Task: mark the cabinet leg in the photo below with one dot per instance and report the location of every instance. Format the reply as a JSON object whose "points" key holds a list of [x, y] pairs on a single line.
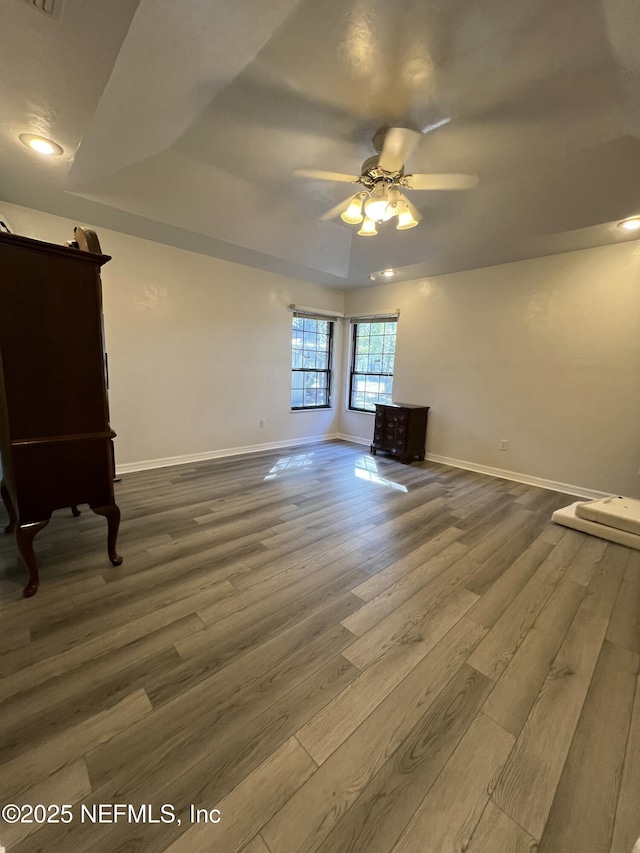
{"points": [[372, 450], [75, 511], [25, 534], [6, 498], [112, 514]]}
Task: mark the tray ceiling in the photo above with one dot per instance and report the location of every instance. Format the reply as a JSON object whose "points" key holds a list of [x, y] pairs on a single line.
{"points": [[183, 123]]}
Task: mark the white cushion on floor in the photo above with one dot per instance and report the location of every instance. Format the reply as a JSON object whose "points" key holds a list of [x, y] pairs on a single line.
{"points": [[567, 517], [618, 512]]}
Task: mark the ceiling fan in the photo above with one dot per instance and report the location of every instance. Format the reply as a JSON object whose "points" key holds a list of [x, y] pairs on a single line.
{"points": [[383, 177]]}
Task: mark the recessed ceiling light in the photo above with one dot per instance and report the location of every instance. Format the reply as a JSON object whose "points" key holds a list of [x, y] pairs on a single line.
{"points": [[388, 273], [41, 144], [632, 224]]}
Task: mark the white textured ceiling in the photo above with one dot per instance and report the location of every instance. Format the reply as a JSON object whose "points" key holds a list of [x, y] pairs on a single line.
{"points": [[184, 121]]}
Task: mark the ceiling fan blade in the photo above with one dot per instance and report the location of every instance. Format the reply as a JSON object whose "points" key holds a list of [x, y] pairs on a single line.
{"points": [[414, 210], [319, 175], [398, 146], [442, 182], [339, 208]]}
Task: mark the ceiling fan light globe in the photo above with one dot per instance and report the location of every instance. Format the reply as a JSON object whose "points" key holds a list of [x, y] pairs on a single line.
{"points": [[368, 228], [394, 195], [353, 214], [378, 210], [376, 205], [393, 209], [351, 220], [406, 220]]}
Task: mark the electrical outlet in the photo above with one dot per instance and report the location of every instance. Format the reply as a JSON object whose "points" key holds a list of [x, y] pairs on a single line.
{"points": [[504, 444], [263, 423]]}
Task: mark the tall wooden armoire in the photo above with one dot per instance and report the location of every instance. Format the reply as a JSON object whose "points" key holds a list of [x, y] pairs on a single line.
{"points": [[55, 438]]}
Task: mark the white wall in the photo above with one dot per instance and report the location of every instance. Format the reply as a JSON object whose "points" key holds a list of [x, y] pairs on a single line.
{"points": [[199, 348], [544, 353]]}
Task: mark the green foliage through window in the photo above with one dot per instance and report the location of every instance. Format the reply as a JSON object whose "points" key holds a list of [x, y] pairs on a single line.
{"points": [[372, 361], [311, 345]]}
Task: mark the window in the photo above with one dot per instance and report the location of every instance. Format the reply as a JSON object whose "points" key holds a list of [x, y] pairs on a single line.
{"points": [[373, 353], [311, 344]]}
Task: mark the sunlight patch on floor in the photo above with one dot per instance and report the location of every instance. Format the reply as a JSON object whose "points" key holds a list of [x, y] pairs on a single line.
{"points": [[290, 463], [367, 469]]}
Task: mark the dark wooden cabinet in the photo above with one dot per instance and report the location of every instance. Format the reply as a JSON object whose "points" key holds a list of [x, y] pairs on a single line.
{"points": [[401, 429], [55, 438]]}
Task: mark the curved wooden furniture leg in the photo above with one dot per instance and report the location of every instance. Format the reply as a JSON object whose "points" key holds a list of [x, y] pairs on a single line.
{"points": [[13, 518], [112, 514], [25, 534], [75, 511]]}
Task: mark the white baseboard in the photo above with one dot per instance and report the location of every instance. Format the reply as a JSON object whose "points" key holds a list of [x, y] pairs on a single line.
{"points": [[515, 476], [552, 485], [149, 464], [354, 439]]}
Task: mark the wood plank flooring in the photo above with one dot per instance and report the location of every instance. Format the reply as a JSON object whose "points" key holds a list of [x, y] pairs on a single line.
{"points": [[337, 652]]}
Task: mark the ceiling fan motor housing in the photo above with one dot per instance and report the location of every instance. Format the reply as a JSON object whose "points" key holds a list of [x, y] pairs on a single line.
{"points": [[371, 173]]}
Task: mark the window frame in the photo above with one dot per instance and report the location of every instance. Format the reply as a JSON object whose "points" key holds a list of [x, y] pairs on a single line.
{"points": [[328, 371], [352, 363]]}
